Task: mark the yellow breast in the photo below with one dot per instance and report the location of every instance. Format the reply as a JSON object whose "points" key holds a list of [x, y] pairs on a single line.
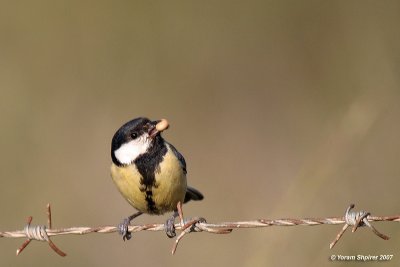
{"points": [[170, 185]]}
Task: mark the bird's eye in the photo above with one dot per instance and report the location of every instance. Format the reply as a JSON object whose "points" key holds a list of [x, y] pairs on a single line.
{"points": [[134, 135]]}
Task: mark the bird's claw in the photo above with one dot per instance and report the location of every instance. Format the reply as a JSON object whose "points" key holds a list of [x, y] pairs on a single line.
{"points": [[123, 229], [170, 227]]}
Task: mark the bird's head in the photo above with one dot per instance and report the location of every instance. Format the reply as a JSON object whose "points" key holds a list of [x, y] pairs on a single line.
{"points": [[135, 138]]}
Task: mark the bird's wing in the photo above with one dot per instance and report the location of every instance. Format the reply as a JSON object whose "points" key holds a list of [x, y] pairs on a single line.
{"points": [[191, 193], [180, 158]]}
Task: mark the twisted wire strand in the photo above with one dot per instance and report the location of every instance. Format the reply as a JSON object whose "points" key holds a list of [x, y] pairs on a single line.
{"points": [[203, 226], [36, 232], [351, 218]]}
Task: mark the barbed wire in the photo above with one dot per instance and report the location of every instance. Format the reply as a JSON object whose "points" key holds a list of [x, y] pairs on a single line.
{"points": [[351, 218]]}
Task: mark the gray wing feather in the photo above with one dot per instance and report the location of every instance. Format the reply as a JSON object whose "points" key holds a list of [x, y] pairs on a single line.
{"points": [[180, 158], [191, 193]]}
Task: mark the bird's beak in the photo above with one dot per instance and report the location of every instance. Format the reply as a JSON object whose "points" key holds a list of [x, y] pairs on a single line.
{"points": [[157, 126]]}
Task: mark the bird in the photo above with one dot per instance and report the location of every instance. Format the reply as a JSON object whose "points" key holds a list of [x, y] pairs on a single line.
{"points": [[149, 172]]}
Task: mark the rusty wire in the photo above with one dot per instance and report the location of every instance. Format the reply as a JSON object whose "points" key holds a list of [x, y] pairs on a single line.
{"points": [[351, 218]]}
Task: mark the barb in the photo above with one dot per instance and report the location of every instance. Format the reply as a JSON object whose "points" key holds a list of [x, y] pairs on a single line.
{"points": [[351, 218], [356, 219], [39, 233]]}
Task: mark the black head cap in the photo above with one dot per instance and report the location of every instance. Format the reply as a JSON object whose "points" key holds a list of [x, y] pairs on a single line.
{"points": [[132, 130]]}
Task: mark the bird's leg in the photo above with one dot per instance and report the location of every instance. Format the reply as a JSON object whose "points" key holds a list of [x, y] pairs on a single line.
{"points": [[170, 223], [180, 213], [123, 226]]}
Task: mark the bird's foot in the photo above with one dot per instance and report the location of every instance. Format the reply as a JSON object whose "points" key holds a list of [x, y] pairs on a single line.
{"points": [[123, 229], [170, 227], [191, 224]]}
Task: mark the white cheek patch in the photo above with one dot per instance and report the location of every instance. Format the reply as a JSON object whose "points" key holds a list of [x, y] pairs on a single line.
{"points": [[128, 152]]}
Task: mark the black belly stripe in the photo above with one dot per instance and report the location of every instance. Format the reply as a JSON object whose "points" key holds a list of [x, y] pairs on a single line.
{"points": [[151, 205], [147, 165]]}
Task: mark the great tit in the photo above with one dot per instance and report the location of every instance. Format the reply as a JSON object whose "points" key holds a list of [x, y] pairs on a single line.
{"points": [[149, 172]]}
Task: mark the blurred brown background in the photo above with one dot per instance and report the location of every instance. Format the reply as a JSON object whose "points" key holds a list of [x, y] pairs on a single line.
{"points": [[281, 109]]}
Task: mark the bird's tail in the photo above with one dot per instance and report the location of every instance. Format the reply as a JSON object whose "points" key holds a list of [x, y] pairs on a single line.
{"points": [[192, 194]]}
